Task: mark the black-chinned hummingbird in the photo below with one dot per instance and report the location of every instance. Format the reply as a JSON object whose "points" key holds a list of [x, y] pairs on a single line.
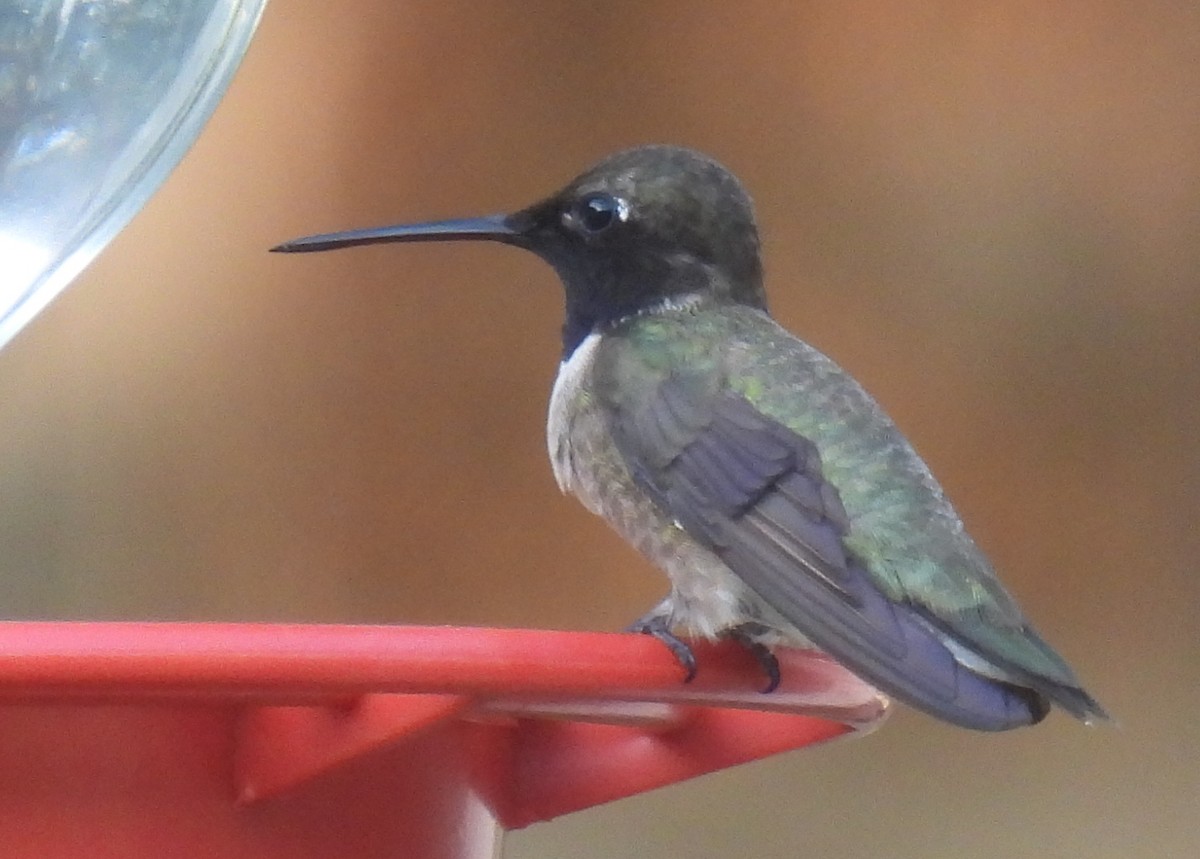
{"points": [[783, 504]]}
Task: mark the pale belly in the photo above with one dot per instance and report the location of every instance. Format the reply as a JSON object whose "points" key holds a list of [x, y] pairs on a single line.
{"points": [[706, 598]]}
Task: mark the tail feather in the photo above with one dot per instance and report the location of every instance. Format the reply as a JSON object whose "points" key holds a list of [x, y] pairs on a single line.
{"points": [[1075, 701]]}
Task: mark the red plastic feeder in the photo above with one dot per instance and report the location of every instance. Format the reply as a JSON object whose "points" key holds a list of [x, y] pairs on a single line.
{"points": [[236, 741]]}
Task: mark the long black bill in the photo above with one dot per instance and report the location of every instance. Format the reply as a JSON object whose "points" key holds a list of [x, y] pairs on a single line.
{"points": [[489, 228]]}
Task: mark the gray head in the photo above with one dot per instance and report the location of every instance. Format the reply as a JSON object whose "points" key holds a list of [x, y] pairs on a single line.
{"points": [[644, 228]]}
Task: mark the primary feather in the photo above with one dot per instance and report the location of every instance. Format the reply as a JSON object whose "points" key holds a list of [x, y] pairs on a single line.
{"points": [[759, 450]]}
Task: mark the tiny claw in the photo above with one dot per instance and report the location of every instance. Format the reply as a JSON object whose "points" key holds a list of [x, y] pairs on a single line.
{"points": [[745, 636], [683, 654]]}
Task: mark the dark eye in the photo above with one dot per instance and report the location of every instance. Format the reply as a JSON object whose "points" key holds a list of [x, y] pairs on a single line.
{"points": [[598, 212]]}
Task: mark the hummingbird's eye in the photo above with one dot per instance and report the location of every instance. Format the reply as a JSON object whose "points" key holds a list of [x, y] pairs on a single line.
{"points": [[597, 212]]}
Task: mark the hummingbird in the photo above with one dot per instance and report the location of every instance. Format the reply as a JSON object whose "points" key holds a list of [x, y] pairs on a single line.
{"points": [[783, 504]]}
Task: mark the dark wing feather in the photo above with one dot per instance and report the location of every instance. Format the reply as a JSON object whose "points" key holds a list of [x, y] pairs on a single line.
{"points": [[752, 490]]}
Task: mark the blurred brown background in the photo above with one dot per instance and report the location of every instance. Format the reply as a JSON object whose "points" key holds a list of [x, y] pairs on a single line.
{"points": [[988, 212]]}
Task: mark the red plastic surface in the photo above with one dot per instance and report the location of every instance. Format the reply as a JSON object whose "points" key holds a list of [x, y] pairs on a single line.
{"points": [[222, 740]]}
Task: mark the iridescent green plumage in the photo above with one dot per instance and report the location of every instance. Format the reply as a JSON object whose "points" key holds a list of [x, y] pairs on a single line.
{"points": [[780, 500], [902, 529]]}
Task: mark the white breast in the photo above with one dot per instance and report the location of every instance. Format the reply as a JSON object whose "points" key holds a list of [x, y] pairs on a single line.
{"points": [[705, 597], [569, 396]]}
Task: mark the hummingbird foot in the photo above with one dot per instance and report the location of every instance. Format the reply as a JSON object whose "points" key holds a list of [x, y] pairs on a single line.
{"points": [[657, 626], [746, 634]]}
